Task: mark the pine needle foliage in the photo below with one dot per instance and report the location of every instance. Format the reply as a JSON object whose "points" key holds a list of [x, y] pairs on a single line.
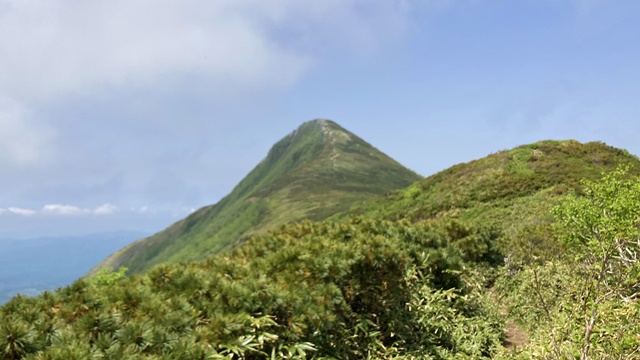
{"points": [[360, 289]]}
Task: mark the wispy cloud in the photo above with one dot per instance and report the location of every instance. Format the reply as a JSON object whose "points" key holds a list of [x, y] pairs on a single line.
{"points": [[63, 210], [124, 43], [91, 46], [105, 209], [22, 212], [58, 209]]}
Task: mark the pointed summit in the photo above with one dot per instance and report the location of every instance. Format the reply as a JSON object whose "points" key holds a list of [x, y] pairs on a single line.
{"points": [[314, 172]]}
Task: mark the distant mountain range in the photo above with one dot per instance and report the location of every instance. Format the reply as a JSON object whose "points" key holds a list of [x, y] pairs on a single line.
{"points": [[318, 170], [30, 266]]}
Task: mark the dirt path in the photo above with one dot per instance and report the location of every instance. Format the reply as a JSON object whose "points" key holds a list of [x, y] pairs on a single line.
{"points": [[515, 336], [327, 134]]}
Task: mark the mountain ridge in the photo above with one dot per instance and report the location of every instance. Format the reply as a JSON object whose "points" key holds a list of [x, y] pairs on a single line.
{"points": [[511, 189]]}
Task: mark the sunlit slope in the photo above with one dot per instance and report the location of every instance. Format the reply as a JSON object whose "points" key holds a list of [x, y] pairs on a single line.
{"points": [[316, 171], [509, 189]]}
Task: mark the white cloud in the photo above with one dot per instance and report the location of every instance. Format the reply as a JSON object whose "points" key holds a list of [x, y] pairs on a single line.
{"points": [[21, 211], [105, 209], [51, 48], [58, 209], [143, 209]]}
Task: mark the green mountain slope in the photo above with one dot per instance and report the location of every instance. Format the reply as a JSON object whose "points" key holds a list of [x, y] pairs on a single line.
{"points": [[418, 275], [316, 171], [509, 189]]}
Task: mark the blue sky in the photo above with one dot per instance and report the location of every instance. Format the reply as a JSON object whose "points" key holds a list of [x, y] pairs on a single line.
{"points": [[127, 115]]}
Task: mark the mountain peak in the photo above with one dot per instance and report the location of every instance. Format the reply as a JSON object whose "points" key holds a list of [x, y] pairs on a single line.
{"points": [[322, 126], [318, 121], [334, 132], [314, 172]]}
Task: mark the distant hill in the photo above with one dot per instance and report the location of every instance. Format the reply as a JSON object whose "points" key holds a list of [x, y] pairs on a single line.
{"points": [[318, 170], [30, 266]]}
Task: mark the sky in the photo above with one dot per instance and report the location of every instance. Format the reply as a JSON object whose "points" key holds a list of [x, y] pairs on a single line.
{"points": [[130, 114]]}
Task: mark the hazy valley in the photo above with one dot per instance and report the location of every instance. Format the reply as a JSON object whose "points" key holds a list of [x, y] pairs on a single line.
{"points": [[30, 266]]}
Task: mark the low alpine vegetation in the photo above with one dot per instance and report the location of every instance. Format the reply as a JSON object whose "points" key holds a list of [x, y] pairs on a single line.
{"points": [[360, 289], [439, 270]]}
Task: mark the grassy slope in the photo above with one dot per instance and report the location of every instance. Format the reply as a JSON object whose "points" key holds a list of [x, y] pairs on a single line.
{"points": [[314, 172], [510, 189]]}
